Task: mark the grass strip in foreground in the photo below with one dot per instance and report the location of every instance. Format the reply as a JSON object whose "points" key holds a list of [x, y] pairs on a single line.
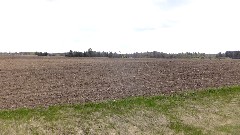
{"points": [[212, 111]]}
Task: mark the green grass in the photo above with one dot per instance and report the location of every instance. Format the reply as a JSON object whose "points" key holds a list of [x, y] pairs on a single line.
{"points": [[212, 111]]}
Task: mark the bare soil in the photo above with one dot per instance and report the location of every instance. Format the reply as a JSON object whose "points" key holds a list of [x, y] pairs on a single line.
{"points": [[44, 81]]}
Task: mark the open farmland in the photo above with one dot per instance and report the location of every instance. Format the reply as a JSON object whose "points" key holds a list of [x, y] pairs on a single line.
{"points": [[45, 81]]}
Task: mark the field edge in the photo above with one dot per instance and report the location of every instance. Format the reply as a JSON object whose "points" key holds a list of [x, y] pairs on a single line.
{"points": [[177, 113]]}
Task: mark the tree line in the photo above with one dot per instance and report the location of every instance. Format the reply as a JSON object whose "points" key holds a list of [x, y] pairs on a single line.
{"points": [[229, 54], [154, 54], [41, 53], [91, 53]]}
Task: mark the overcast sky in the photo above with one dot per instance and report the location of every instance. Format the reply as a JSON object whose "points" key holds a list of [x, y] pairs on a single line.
{"points": [[170, 26]]}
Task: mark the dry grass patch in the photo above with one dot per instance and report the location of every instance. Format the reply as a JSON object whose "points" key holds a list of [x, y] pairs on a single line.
{"points": [[215, 117]]}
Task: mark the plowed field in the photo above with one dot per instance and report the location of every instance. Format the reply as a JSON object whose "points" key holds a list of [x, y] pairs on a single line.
{"points": [[44, 81]]}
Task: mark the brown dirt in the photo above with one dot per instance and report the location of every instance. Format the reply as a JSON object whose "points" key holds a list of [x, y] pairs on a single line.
{"points": [[44, 81]]}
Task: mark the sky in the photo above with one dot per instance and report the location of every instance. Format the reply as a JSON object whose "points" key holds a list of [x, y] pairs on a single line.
{"points": [[125, 26]]}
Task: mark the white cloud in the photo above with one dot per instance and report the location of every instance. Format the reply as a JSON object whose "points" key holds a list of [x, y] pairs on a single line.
{"points": [[127, 25]]}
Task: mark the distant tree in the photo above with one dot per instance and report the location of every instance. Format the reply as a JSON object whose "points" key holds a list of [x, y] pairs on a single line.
{"points": [[41, 54], [90, 52], [219, 55], [69, 54], [110, 55], [233, 54]]}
